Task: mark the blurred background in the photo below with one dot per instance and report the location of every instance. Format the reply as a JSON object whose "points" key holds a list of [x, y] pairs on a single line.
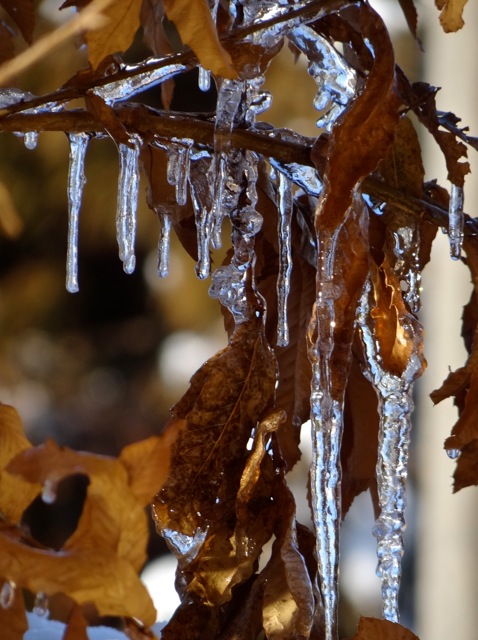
{"points": [[99, 369]]}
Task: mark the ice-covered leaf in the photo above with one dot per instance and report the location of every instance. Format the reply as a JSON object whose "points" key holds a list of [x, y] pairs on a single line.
{"points": [[13, 619], [288, 601], [368, 126], [195, 25], [22, 12], [15, 493], [118, 33], [392, 329], [374, 629], [226, 398], [451, 14], [112, 519]]}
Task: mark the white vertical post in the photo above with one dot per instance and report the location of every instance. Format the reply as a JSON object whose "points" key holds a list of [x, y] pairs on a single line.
{"points": [[447, 545]]}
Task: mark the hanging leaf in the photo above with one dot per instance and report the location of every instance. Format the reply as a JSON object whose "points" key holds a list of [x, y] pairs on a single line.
{"points": [[451, 14], [194, 23], [76, 627], [118, 34], [13, 619]]}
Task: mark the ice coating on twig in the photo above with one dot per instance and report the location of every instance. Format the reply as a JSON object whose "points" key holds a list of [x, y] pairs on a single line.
{"points": [[456, 221], [76, 181], [164, 241], [305, 177], [395, 405], [335, 79], [128, 185], [285, 258], [128, 87]]}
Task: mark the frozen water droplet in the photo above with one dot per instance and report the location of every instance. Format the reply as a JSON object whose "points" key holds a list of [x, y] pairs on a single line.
{"points": [[128, 185], [40, 606], [7, 594], [204, 79], [76, 182], [31, 140], [49, 492], [456, 221], [163, 243], [285, 258], [228, 285], [184, 546], [453, 454]]}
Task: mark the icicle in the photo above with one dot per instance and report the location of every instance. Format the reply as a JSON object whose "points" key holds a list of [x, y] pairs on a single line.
{"points": [[173, 161], [183, 175], [336, 80], [456, 221], [200, 190], [163, 244], [48, 494], [204, 79], [327, 426], [395, 408], [285, 258], [7, 594], [125, 88], [40, 606], [128, 184], [76, 182]]}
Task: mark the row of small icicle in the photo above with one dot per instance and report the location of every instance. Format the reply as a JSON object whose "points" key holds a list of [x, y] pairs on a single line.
{"points": [[336, 87]]}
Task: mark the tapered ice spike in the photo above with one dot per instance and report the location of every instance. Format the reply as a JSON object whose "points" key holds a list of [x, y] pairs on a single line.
{"points": [[285, 258], [164, 241], [128, 185], [395, 405], [76, 181], [204, 79], [456, 221]]}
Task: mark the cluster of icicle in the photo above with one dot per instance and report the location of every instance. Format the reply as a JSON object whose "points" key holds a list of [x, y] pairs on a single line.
{"points": [[239, 102]]}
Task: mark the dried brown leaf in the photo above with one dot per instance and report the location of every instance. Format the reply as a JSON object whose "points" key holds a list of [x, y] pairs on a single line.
{"points": [[451, 14], [7, 50], [86, 575], [112, 518], [374, 629], [15, 493], [411, 16], [22, 12], [195, 25], [118, 33]]}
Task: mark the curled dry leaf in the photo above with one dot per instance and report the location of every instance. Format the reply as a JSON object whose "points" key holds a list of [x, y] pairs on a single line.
{"points": [[118, 33], [195, 25]]}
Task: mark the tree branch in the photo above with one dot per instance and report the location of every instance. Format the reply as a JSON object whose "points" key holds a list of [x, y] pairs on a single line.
{"points": [[282, 144]]}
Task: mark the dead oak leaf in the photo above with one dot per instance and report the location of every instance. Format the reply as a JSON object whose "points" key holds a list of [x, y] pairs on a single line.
{"points": [[195, 25], [118, 34]]}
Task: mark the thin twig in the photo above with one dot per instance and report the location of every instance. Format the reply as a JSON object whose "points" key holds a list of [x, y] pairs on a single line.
{"points": [[274, 143]]}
